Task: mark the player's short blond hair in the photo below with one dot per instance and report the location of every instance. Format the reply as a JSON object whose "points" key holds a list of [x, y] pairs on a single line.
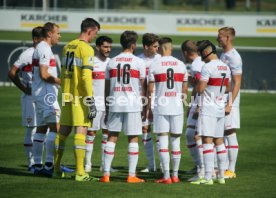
{"points": [[229, 30]]}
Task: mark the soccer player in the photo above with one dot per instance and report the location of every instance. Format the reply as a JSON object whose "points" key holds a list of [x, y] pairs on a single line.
{"points": [[193, 141], [214, 78], [232, 58], [124, 74], [78, 107], [45, 91], [23, 68], [169, 77], [149, 55], [103, 49]]}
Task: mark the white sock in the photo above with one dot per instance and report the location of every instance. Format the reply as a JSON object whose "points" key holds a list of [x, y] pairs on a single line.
{"points": [[28, 144], [233, 149], [164, 154], [133, 153], [148, 145], [38, 146], [192, 146], [108, 156], [159, 156], [200, 151], [222, 156], [215, 158], [104, 141], [176, 154], [208, 156], [226, 146], [50, 147], [89, 150]]}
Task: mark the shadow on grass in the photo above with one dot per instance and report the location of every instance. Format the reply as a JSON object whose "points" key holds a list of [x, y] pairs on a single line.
{"points": [[15, 171]]}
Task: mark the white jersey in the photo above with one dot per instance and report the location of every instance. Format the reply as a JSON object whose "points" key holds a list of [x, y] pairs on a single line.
{"points": [[24, 64], [195, 69], [124, 72], [233, 59], [148, 62], [168, 73], [43, 55], [98, 82], [217, 74]]}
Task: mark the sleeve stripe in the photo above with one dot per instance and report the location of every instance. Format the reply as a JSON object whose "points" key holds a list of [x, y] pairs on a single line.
{"points": [[86, 67]]}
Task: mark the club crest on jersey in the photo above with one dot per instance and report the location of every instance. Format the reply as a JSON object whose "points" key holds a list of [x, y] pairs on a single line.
{"points": [[90, 60]]}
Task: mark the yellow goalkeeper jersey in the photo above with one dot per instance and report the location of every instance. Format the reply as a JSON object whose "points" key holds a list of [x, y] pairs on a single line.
{"points": [[76, 71]]}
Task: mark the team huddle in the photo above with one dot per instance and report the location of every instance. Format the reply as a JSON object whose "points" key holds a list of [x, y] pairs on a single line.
{"points": [[137, 95]]}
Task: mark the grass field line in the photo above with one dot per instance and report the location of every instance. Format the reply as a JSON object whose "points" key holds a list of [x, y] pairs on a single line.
{"points": [[23, 42]]}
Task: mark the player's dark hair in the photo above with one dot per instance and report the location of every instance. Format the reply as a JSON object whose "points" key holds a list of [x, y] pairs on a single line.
{"points": [[48, 27], [149, 38], [100, 40], [189, 46], [202, 45], [37, 32], [128, 38], [89, 23], [164, 40]]}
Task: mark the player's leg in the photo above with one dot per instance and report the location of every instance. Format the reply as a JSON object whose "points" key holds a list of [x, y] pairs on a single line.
{"points": [[60, 140], [38, 147], [176, 125], [132, 127], [52, 117], [29, 121], [232, 122], [206, 129], [90, 136], [148, 146], [28, 145], [220, 150], [103, 144], [161, 126], [115, 123], [190, 137]]}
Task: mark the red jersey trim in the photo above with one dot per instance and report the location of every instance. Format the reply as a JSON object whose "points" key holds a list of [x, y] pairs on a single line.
{"points": [[217, 81], [98, 75], [163, 77], [133, 73]]}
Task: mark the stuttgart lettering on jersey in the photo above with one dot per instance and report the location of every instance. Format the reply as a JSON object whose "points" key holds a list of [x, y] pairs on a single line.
{"points": [[169, 63], [123, 59]]}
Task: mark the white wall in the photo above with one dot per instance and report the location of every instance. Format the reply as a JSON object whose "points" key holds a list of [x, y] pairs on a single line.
{"points": [[171, 24]]}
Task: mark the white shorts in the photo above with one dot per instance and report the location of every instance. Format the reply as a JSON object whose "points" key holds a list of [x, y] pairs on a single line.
{"points": [[232, 121], [130, 123], [190, 120], [46, 113], [211, 126], [28, 111], [168, 123], [98, 122]]}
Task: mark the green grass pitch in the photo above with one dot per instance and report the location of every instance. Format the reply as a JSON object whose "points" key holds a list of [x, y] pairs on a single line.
{"points": [[256, 172]]}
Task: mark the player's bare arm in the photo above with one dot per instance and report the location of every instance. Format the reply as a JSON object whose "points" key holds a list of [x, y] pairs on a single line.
{"points": [[106, 102], [13, 75], [236, 88], [149, 95], [43, 69]]}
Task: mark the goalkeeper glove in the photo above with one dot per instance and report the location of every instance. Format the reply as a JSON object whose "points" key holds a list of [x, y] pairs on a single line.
{"points": [[92, 111]]}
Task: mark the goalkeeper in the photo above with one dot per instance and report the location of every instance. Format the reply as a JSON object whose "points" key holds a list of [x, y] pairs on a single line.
{"points": [[78, 108]]}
